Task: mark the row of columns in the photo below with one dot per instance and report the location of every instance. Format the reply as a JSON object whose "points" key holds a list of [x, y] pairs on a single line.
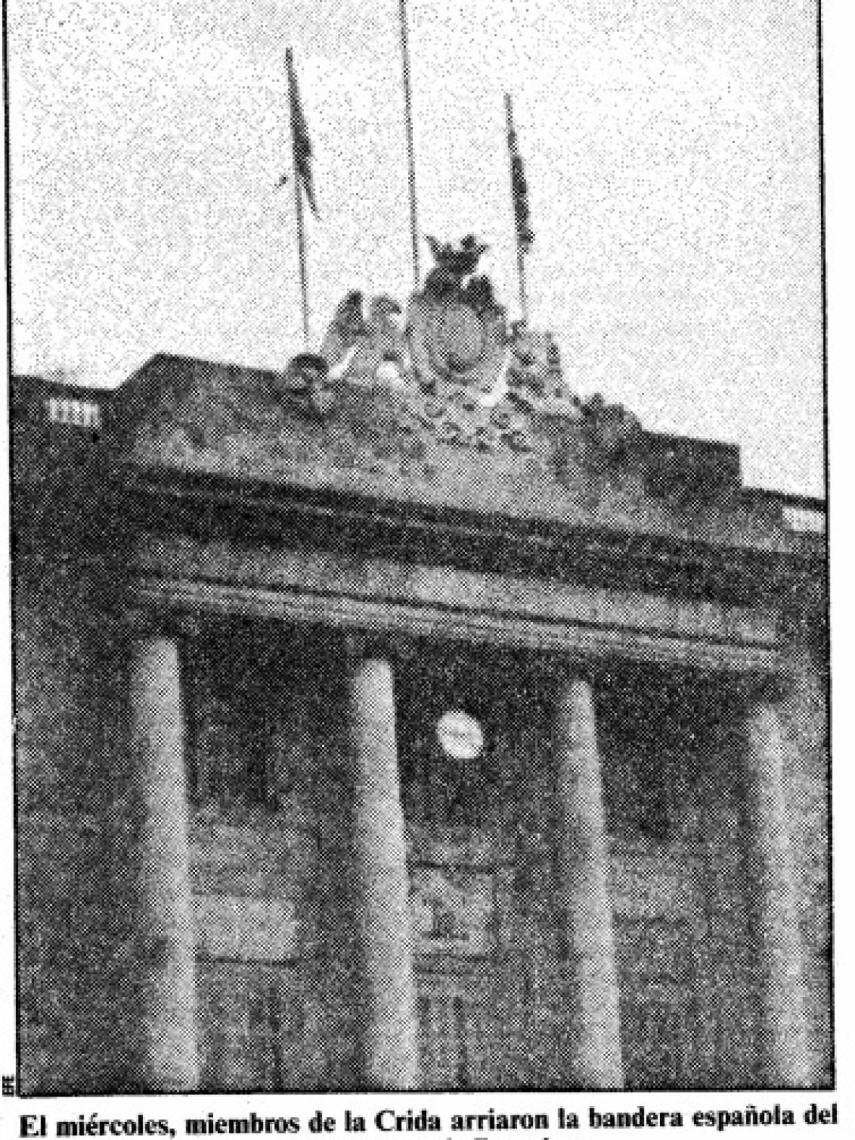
{"points": [[387, 1013]]}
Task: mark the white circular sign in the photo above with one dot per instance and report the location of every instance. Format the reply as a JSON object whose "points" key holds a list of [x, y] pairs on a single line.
{"points": [[460, 735]]}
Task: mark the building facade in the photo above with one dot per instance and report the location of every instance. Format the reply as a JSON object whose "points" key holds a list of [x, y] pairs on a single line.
{"points": [[400, 720]]}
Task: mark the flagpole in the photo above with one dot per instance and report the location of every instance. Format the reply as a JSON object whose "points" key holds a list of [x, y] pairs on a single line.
{"points": [[298, 202], [301, 252], [509, 115], [411, 149]]}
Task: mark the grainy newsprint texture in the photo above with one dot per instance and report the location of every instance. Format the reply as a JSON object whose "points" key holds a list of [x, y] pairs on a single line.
{"points": [[437, 698]]}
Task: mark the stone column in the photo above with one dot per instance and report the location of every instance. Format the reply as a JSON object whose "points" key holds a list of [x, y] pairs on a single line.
{"points": [[769, 865], [388, 1025], [164, 923], [592, 1045]]}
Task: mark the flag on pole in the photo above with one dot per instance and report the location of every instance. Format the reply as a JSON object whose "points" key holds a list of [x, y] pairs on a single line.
{"points": [[519, 187], [300, 137]]}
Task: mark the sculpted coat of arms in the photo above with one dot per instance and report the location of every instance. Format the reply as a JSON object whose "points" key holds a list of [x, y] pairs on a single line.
{"points": [[461, 371], [457, 331]]}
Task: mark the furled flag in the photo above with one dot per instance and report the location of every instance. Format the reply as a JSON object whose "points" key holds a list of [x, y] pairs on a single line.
{"points": [[519, 187], [300, 137]]}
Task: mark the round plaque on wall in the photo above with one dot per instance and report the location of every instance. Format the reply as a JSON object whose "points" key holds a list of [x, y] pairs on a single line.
{"points": [[460, 735]]}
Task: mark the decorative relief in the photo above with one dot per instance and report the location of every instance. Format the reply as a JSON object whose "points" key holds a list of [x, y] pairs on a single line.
{"points": [[610, 430], [457, 331], [444, 392], [367, 348], [462, 375], [459, 419], [453, 911]]}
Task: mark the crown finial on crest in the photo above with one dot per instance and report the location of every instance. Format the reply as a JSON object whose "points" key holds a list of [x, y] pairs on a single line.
{"points": [[458, 261]]}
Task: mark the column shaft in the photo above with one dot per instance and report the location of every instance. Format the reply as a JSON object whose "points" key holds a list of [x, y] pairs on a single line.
{"points": [[592, 1044], [772, 880], [387, 1010], [165, 923]]}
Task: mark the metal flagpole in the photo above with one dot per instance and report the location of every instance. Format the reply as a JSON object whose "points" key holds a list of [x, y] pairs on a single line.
{"points": [[298, 197], [411, 150], [301, 248], [512, 145]]}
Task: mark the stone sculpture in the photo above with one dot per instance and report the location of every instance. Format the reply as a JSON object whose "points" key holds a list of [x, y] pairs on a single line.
{"points": [[454, 367]]}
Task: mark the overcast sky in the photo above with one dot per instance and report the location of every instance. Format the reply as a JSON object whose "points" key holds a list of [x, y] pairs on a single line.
{"points": [[671, 151]]}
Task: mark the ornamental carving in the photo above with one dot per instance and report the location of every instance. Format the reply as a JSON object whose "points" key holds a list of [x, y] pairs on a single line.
{"points": [[454, 368], [457, 331], [367, 348], [453, 911]]}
